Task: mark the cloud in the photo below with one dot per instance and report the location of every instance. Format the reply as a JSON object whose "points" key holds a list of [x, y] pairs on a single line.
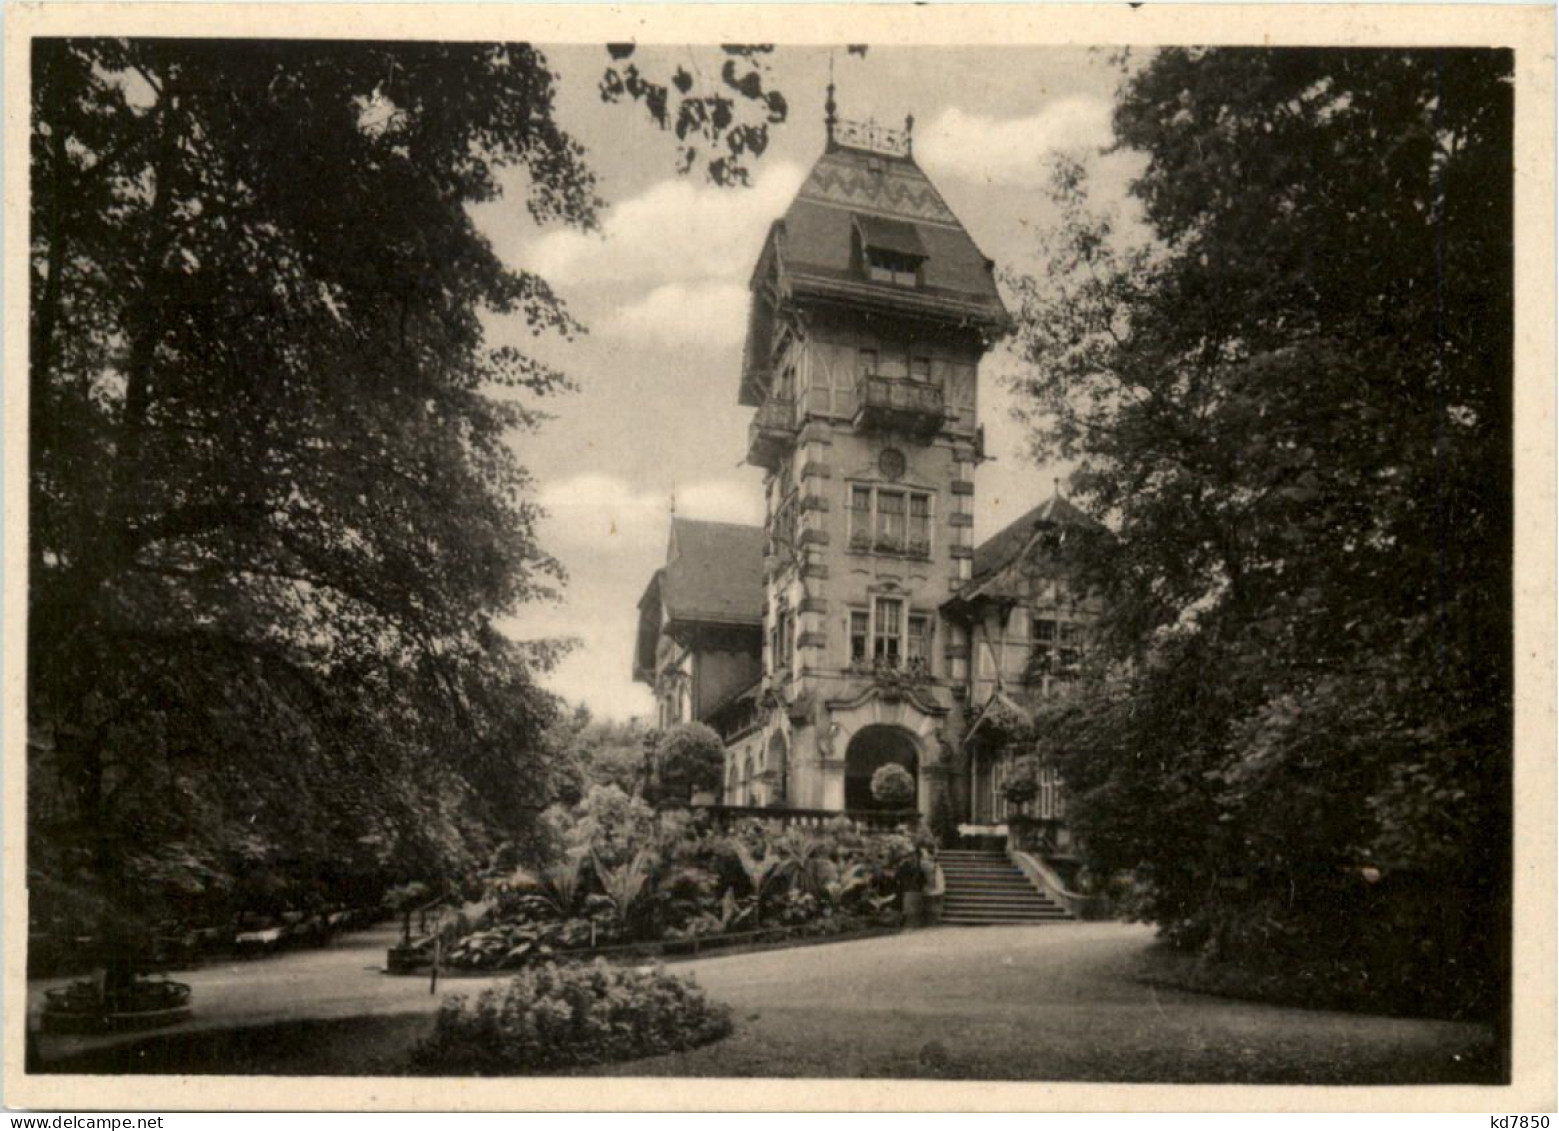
{"points": [[707, 314], [677, 230], [1014, 150], [605, 514]]}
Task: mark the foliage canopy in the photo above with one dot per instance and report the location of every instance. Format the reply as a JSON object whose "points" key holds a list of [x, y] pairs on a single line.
{"points": [[1293, 407]]}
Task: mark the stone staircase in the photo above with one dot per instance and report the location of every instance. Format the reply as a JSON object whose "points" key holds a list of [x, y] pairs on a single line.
{"points": [[986, 887]]}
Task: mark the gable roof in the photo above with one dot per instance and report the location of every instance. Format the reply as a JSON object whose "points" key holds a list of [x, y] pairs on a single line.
{"points": [[1001, 548], [713, 573]]}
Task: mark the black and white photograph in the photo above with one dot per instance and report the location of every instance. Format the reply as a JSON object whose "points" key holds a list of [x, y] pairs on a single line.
{"points": [[656, 554]]}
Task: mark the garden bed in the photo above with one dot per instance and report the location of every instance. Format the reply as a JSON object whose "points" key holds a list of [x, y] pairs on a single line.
{"points": [[676, 950], [624, 882]]}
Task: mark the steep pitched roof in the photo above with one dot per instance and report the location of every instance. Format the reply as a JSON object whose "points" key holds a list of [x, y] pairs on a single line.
{"points": [[1002, 548], [713, 572], [853, 197], [852, 190]]}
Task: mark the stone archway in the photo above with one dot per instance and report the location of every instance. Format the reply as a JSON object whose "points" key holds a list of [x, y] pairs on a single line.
{"points": [[870, 748]]}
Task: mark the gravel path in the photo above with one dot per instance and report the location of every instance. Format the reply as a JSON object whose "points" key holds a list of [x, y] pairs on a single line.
{"points": [[341, 980], [1049, 1002]]}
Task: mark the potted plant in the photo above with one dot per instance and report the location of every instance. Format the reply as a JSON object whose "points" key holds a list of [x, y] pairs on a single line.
{"points": [[1022, 784], [893, 787]]}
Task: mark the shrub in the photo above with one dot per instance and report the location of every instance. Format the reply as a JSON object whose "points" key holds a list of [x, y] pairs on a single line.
{"points": [[552, 1017], [607, 824], [893, 786], [691, 759]]}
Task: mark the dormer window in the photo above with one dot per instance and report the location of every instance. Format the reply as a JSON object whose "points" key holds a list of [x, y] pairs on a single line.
{"points": [[889, 251], [886, 267]]}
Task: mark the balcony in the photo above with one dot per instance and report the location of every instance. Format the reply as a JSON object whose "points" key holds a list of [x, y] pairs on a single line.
{"points": [[772, 432], [899, 404], [895, 676], [863, 541]]}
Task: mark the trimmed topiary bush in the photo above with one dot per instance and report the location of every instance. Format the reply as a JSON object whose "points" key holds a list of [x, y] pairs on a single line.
{"points": [[691, 759], [893, 786], [567, 1016]]}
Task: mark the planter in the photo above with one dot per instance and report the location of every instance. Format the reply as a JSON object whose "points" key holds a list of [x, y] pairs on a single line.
{"points": [[145, 1004]]}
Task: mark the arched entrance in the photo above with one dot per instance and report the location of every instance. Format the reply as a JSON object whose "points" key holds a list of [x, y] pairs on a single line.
{"points": [[872, 747]]}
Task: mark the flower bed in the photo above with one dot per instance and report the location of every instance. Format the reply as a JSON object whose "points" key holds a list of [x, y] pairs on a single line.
{"points": [[554, 1016], [624, 878], [144, 1003]]}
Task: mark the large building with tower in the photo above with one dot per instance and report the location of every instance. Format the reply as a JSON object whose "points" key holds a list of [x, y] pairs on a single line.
{"points": [[862, 624]]}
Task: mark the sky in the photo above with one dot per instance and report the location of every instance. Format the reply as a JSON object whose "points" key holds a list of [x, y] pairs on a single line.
{"points": [[662, 289]]}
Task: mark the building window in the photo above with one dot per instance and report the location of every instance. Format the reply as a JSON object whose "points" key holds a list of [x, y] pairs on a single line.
{"points": [[888, 631], [919, 641], [860, 632], [920, 368], [919, 540], [883, 266], [889, 636], [782, 640], [782, 525], [1056, 651], [868, 363], [1071, 638], [890, 521], [1042, 654], [860, 518]]}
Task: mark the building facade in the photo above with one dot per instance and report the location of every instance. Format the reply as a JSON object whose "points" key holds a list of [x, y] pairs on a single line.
{"points": [[883, 633]]}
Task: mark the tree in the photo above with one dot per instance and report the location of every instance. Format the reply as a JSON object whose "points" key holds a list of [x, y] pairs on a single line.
{"points": [[585, 751], [724, 125], [1293, 406], [275, 510], [691, 759]]}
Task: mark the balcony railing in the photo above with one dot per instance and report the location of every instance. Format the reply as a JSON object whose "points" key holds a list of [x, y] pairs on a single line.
{"points": [[772, 432], [898, 403], [863, 541], [867, 820]]}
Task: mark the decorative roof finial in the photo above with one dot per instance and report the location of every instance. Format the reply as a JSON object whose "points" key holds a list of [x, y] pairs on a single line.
{"points": [[673, 498], [909, 135], [830, 108]]}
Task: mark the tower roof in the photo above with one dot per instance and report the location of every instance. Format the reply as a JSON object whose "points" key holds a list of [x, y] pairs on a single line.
{"points": [[853, 192], [861, 197]]}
